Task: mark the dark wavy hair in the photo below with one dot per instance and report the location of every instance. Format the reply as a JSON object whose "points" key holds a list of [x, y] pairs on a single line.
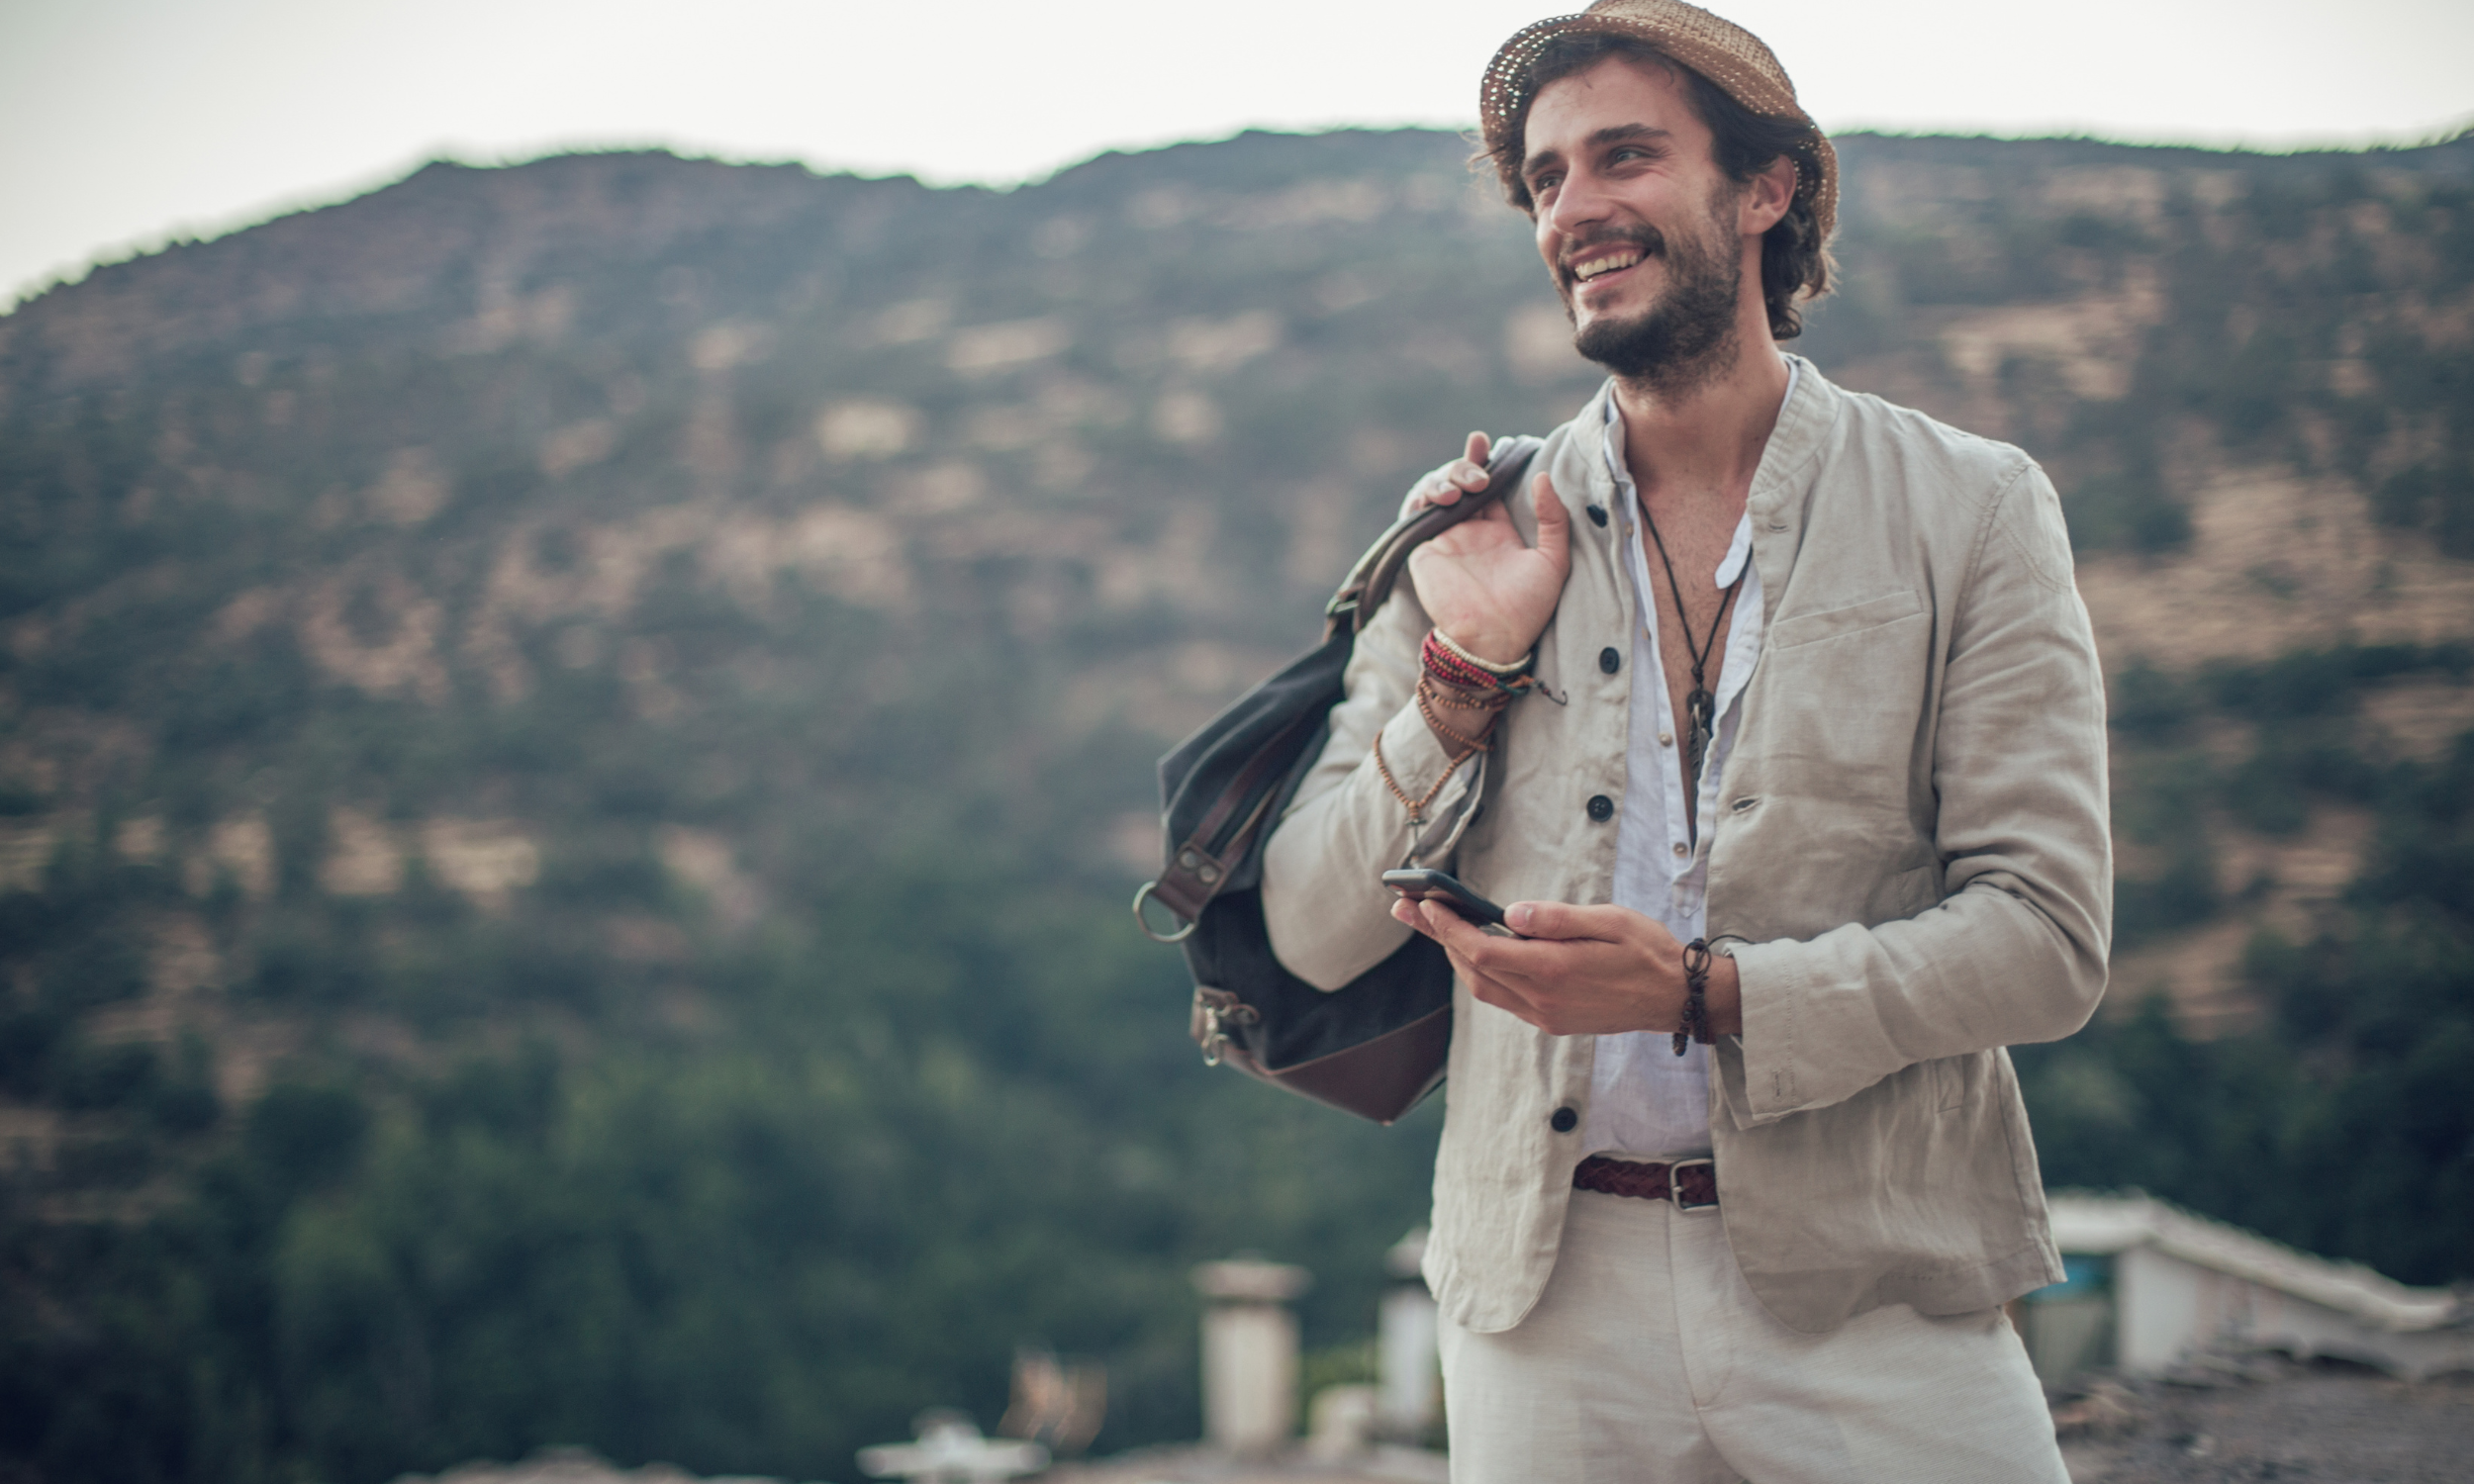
{"points": [[1795, 261]]}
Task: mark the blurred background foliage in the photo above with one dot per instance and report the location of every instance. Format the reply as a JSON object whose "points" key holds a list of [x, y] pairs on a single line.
{"points": [[573, 741]]}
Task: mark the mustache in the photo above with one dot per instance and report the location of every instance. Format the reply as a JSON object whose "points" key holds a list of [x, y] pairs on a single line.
{"points": [[1648, 239]]}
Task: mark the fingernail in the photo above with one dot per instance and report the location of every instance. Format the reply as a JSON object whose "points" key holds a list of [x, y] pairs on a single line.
{"points": [[1518, 916]]}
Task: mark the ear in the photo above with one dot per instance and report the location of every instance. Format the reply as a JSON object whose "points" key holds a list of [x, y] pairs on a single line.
{"points": [[1767, 196]]}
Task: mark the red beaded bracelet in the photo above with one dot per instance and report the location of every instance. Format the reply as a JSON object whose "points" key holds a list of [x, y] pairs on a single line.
{"points": [[1455, 665]]}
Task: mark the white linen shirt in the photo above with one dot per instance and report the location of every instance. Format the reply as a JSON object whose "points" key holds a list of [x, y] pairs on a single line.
{"points": [[1645, 1101]]}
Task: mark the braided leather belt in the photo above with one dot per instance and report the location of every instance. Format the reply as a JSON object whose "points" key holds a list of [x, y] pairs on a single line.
{"points": [[1686, 1184]]}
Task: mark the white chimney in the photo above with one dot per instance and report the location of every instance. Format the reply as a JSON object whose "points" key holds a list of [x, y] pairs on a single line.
{"points": [[1249, 1355], [1410, 1400]]}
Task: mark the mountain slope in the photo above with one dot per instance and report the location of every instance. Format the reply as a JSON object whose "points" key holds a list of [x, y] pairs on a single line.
{"points": [[630, 683]]}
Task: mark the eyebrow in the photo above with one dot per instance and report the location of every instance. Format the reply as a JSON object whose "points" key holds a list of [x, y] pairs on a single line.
{"points": [[1612, 134]]}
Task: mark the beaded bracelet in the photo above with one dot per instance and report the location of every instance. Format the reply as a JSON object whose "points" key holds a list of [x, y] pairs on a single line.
{"points": [[1456, 667], [1518, 666], [1417, 806], [1429, 690], [1454, 676]]}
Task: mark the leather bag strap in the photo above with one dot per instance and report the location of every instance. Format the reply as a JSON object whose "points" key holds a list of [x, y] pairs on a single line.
{"points": [[1370, 580]]}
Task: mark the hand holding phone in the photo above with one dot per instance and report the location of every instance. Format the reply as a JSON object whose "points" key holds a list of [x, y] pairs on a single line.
{"points": [[1419, 884]]}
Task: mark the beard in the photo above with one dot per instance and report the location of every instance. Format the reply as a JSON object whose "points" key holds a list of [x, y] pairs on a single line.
{"points": [[1688, 337]]}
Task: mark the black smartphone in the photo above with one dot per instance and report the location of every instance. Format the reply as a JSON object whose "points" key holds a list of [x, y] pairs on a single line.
{"points": [[1418, 884]]}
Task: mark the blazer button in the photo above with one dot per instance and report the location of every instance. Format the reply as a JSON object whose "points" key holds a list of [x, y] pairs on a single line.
{"points": [[1601, 808], [1564, 1121], [1597, 515], [1609, 661]]}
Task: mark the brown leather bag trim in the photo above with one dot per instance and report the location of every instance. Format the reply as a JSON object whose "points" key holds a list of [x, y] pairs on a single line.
{"points": [[1382, 1080]]}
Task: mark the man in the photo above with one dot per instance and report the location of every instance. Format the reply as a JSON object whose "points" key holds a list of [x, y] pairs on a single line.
{"points": [[1773, 712]]}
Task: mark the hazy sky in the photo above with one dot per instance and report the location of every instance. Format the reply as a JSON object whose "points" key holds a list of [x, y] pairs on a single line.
{"points": [[124, 123]]}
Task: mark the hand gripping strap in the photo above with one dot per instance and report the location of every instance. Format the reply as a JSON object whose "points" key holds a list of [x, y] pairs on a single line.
{"points": [[1370, 580]]}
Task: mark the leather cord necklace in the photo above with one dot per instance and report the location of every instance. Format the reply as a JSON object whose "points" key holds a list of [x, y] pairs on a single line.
{"points": [[1701, 708]]}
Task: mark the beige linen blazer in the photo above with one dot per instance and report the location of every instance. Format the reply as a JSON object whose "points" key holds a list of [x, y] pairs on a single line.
{"points": [[1909, 860]]}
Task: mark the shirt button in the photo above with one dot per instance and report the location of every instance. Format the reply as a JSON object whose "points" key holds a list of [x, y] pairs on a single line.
{"points": [[1679, 850], [1666, 739], [1609, 661], [1564, 1121], [1601, 808]]}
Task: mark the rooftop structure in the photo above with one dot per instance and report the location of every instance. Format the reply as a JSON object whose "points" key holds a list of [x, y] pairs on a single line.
{"points": [[2152, 1285]]}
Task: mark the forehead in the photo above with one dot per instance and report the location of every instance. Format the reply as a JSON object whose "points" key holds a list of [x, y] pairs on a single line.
{"points": [[1615, 92]]}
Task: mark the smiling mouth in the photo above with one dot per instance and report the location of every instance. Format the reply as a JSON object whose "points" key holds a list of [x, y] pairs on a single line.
{"points": [[1613, 263], [1590, 261]]}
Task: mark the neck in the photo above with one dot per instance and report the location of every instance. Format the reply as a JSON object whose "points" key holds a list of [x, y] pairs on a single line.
{"points": [[1704, 441]]}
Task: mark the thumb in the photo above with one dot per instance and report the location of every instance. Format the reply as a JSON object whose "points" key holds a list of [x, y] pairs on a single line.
{"points": [[1551, 920], [1476, 449], [1554, 524]]}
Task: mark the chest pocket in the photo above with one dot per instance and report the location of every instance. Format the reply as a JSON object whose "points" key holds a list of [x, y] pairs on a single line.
{"points": [[1801, 630], [1840, 695]]}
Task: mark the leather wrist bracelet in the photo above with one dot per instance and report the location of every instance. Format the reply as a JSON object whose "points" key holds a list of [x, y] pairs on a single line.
{"points": [[1694, 1025]]}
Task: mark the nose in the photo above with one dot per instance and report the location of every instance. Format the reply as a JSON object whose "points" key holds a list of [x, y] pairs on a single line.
{"points": [[1578, 202]]}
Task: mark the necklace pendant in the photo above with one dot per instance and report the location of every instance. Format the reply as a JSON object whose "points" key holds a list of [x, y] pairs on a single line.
{"points": [[1696, 710]]}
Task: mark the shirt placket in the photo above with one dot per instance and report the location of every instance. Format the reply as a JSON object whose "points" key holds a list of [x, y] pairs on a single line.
{"points": [[1680, 859], [1735, 671]]}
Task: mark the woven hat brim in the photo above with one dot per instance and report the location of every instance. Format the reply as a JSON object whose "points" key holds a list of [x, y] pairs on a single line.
{"points": [[1728, 55]]}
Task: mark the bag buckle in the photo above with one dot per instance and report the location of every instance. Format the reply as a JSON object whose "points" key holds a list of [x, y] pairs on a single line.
{"points": [[1675, 1186]]}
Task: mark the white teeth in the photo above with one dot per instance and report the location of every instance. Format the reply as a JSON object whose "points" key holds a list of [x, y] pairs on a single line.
{"points": [[1598, 265]]}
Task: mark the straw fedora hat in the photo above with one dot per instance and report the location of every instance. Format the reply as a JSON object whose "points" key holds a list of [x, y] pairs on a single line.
{"points": [[1726, 53]]}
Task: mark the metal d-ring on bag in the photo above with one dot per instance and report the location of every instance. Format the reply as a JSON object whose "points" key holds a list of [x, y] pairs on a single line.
{"points": [[1376, 1046]]}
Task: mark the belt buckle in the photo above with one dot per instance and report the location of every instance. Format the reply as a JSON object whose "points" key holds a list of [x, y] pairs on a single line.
{"points": [[1675, 1186]]}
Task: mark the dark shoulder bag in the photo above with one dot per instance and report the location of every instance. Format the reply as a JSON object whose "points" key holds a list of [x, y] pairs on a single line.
{"points": [[1376, 1046]]}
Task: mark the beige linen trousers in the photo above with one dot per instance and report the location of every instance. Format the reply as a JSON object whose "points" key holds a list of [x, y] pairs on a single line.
{"points": [[1649, 1361], [1909, 860]]}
